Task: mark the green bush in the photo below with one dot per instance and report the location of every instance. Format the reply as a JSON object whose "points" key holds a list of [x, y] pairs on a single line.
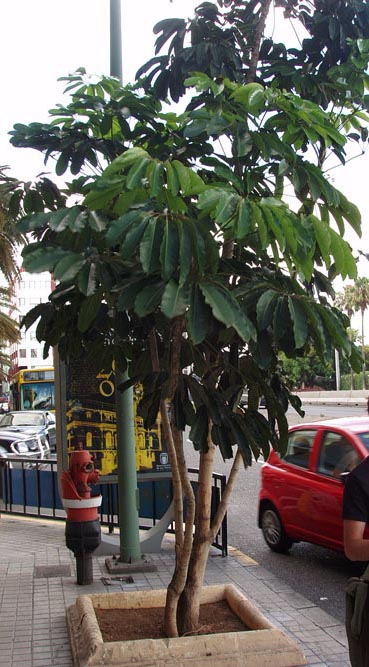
{"points": [[357, 378]]}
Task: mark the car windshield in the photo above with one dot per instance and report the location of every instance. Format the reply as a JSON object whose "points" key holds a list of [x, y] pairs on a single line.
{"points": [[364, 437], [20, 419]]}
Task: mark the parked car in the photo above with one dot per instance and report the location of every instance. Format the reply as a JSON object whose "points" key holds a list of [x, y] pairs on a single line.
{"points": [[15, 445], [41, 422], [301, 492]]}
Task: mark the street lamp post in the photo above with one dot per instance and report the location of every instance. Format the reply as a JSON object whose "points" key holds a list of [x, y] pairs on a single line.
{"points": [[129, 540]]}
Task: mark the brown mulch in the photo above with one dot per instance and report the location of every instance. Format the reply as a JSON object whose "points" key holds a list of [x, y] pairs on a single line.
{"points": [[126, 624]]}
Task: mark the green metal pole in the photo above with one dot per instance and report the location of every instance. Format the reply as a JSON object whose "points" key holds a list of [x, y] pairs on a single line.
{"points": [[115, 40], [129, 541]]}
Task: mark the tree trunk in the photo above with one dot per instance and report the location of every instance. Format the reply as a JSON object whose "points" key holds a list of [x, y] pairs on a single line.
{"points": [[183, 546], [189, 602], [363, 348], [181, 484]]}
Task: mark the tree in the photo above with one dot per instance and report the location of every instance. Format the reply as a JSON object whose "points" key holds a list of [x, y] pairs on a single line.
{"points": [[181, 259], [345, 301], [306, 371], [360, 295], [10, 241], [353, 299]]}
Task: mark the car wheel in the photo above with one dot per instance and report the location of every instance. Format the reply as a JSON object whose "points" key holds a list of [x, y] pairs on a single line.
{"points": [[273, 531]]}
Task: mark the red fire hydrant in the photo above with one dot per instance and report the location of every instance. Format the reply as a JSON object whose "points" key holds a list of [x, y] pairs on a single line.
{"points": [[82, 528]]}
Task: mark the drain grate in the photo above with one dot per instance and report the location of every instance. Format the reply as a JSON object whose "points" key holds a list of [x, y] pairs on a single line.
{"points": [[110, 581], [47, 571]]}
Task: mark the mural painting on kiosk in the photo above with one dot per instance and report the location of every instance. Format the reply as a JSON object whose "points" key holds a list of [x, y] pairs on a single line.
{"points": [[91, 422]]}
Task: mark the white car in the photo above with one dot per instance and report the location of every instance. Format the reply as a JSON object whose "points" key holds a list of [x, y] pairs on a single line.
{"points": [[22, 445], [41, 422]]}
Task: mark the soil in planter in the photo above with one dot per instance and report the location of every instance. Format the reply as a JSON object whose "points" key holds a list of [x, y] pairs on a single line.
{"points": [[126, 624]]}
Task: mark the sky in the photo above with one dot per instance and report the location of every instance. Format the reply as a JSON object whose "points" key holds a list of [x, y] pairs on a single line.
{"points": [[43, 40]]}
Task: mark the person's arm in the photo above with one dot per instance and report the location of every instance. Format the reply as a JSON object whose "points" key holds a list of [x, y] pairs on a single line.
{"points": [[356, 546]]}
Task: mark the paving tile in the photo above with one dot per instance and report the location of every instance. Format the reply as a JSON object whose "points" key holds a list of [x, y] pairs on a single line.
{"points": [[39, 604]]}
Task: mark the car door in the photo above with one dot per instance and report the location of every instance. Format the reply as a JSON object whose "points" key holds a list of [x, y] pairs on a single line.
{"points": [[335, 454], [294, 485]]}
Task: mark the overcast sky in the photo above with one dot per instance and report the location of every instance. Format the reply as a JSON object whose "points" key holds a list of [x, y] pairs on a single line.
{"points": [[44, 39]]}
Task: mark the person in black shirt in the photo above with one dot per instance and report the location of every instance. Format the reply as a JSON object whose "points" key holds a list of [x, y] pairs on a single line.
{"points": [[356, 512]]}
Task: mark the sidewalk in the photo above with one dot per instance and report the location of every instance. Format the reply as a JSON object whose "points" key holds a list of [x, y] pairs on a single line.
{"points": [[37, 583]]}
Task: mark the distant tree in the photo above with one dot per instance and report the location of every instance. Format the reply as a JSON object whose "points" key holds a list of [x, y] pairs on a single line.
{"points": [[361, 303], [306, 371], [353, 299], [345, 301]]}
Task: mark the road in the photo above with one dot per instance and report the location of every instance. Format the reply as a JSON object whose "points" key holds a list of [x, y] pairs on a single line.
{"points": [[316, 573]]}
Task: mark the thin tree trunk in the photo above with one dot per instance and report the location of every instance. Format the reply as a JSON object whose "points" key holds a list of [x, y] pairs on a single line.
{"points": [[255, 51], [181, 485], [363, 348], [189, 602], [183, 551]]}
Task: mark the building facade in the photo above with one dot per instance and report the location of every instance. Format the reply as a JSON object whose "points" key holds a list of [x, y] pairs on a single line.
{"points": [[29, 291]]}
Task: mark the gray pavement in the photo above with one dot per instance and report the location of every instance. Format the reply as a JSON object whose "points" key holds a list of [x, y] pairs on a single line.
{"points": [[38, 583]]}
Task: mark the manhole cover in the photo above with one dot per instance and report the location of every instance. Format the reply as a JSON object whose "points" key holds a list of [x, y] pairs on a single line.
{"points": [[45, 571]]}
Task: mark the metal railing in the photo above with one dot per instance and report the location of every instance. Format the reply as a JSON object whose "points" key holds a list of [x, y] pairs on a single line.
{"points": [[31, 489]]}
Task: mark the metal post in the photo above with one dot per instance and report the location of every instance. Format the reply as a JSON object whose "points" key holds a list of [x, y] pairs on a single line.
{"points": [[115, 40], [338, 372], [129, 540]]}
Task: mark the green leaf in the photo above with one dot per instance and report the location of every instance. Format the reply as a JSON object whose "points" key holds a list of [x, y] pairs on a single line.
{"points": [[149, 299], [119, 227], [150, 246], [185, 251], [155, 175], [175, 300], [226, 208], [102, 193], [323, 237], [37, 258], [198, 316], [337, 250], [137, 172], [86, 279], [128, 294], [244, 222], [133, 238], [68, 267], [199, 429], [251, 96], [226, 310], [127, 159], [169, 249], [172, 179], [260, 225], [299, 321], [184, 177], [88, 311], [265, 308]]}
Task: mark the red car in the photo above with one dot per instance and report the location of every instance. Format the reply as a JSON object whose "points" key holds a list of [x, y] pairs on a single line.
{"points": [[301, 493]]}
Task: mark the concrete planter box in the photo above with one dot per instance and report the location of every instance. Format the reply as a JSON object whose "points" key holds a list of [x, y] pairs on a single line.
{"points": [[261, 646]]}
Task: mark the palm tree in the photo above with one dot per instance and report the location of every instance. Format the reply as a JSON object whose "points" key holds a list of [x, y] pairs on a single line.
{"points": [[10, 240], [361, 303], [345, 302]]}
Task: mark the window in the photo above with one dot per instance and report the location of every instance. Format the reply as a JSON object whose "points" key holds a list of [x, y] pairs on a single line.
{"points": [[33, 353], [337, 455], [299, 448], [22, 353], [21, 302]]}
